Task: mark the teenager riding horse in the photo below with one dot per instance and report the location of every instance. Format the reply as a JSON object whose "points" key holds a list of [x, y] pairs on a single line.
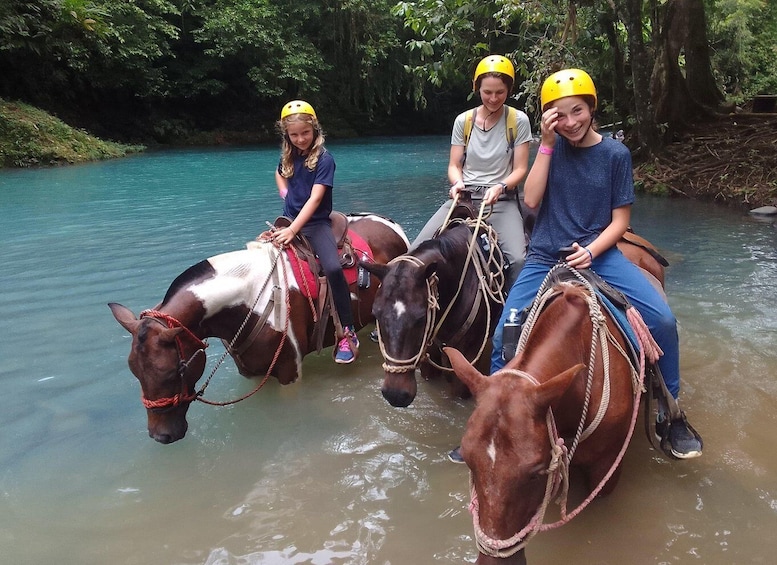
{"points": [[570, 397], [252, 301]]}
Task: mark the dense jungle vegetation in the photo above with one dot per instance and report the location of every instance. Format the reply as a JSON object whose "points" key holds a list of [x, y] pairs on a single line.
{"points": [[216, 71]]}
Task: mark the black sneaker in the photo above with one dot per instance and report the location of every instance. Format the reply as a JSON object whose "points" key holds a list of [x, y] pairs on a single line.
{"points": [[678, 438], [454, 455], [374, 335]]}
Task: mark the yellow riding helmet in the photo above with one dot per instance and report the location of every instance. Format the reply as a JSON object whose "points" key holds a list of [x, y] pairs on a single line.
{"points": [[569, 82], [493, 64], [297, 107]]}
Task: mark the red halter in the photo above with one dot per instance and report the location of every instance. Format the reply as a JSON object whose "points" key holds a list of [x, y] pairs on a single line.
{"points": [[182, 397]]}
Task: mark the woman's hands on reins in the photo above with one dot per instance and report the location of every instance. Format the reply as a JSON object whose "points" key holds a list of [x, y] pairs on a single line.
{"points": [[490, 197]]}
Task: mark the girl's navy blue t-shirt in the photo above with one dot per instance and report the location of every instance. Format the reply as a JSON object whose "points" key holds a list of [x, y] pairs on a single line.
{"points": [[300, 185]]}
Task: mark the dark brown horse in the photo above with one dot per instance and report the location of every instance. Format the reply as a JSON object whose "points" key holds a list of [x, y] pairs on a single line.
{"points": [[249, 299], [427, 279], [432, 296], [549, 408]]}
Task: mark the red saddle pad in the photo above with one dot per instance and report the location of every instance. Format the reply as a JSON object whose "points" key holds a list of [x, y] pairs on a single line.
{"points": [[307, 281]]}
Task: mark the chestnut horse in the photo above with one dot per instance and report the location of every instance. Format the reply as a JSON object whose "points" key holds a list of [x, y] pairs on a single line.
{"points": [[251, 300], [551, 407], [434, 295], [426, 279]]}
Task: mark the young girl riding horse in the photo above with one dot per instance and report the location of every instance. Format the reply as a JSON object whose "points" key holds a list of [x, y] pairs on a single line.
{"points": [[305, 177], [583, 184]]}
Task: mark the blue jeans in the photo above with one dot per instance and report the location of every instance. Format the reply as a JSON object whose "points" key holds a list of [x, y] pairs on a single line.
{"points": [[622, 274]]}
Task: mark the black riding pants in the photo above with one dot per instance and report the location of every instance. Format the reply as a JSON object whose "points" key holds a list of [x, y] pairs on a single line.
{"points": [[323, 242]]}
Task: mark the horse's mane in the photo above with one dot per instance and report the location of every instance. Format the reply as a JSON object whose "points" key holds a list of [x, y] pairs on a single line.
{"points": [[201, 270], [450, 242]]}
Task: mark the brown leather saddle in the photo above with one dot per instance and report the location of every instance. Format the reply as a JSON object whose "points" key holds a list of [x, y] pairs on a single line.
{"points": [[340, 232], [304, 251]]}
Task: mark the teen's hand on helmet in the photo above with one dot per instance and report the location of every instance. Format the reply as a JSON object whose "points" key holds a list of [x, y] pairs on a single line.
{"points": [[548, 127]]}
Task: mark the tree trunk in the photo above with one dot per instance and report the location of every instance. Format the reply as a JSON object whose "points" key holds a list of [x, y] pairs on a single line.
{"points": [[647, 138], [621, 98], [702, 85], [679, 97]]}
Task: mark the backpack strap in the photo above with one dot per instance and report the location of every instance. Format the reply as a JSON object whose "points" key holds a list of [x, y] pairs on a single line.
{"points": [[469, 119], [511, 117]]}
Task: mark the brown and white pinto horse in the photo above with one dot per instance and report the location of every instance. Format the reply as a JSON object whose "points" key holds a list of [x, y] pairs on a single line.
{"points": [[434, 295], [548, 409], [251, 300]]}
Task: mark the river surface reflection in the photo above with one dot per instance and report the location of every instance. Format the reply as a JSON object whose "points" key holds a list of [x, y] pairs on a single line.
{"points": [[324, 471]]}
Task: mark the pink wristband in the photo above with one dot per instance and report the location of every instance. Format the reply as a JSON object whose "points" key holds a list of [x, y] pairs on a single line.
{"points": [[545, 150]]}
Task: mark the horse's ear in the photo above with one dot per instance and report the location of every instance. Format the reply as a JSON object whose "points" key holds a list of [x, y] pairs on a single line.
{"points": [[377, 269], [169, 334], [550, 391], [468, 374], [124, 316], [431, 269]]}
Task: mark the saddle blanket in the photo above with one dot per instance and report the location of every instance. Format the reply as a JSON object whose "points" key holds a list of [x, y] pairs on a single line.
{"points": [[620, 318], [307, 281]]}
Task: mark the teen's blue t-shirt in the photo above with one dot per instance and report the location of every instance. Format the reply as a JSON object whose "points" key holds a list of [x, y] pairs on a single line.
{"points": [[584, 185], [300, 185]]}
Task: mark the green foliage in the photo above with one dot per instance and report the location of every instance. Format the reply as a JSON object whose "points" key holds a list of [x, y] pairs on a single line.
{"points": [[29, 136], [447, 36], [360, 39], [450, 36], [169, 61], [69, 46], [742, 35], [261, 39]]}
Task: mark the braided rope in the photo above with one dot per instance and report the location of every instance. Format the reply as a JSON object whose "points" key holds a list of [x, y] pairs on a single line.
{"points": [[396, 365], [231, 344], [490, 286], [558, 474]]}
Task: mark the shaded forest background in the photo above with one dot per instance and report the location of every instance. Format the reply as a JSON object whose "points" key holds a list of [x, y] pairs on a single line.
{"points": [[217, 71]]}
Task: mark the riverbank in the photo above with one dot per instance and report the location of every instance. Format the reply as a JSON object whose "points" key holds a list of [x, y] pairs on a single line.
{"points": [[31, 137], [730, 160]]}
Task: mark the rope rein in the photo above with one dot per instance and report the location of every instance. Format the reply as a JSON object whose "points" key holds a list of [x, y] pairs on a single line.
{"points": [[489, 284], [171, 322], [393, 364]]}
